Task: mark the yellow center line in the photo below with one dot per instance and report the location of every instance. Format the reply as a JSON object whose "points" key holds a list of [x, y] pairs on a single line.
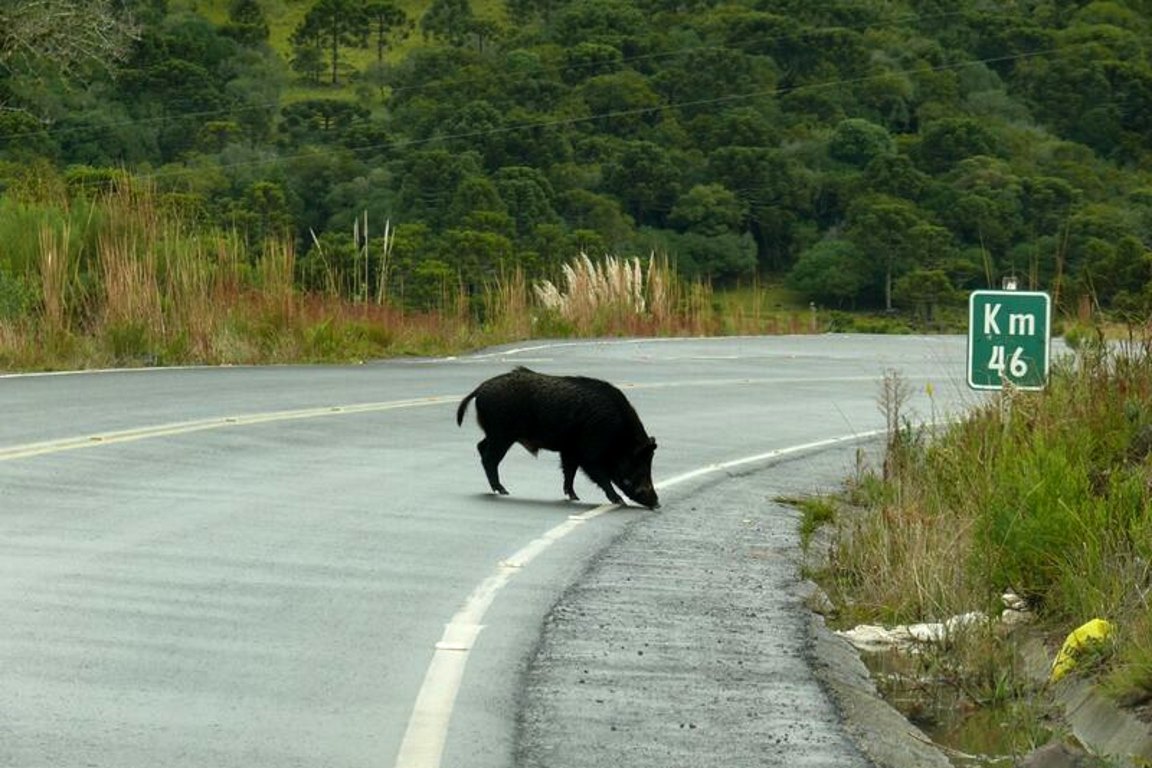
{"points": [[29, 450]]}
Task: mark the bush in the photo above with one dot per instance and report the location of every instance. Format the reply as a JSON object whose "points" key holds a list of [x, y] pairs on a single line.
{"points": [[17, 296], [1045, 493]]}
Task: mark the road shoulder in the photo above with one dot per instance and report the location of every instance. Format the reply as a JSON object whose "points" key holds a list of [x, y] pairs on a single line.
{"points": [[688, 642]]}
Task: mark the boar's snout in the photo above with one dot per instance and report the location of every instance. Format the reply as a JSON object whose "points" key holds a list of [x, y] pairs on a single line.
{"points": [[641, 493], [647, 497]]}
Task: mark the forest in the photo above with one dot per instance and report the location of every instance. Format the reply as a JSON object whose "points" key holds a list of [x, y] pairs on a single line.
{"points": [[870, 154]]}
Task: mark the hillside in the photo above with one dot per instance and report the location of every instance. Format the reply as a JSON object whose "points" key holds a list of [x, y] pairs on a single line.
{"points": [[874, 154]]}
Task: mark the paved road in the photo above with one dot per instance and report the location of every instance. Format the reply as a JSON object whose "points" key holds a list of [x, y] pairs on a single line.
{"points": [[301, 565]]}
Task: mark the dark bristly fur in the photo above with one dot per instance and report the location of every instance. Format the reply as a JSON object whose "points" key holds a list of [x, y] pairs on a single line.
{"points": [[588, 421]]}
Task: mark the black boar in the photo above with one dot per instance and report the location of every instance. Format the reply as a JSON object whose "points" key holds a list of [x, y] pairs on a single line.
{"points": [[588, 421]]}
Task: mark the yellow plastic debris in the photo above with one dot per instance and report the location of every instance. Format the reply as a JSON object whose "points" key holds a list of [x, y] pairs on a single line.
{"points": [[1080, 638]]}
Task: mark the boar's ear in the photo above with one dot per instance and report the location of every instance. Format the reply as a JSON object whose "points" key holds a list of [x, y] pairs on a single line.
{"points": [[649, 447]]}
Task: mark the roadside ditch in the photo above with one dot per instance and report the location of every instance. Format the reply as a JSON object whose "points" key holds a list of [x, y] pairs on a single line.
{"points": [[1032, 722]]}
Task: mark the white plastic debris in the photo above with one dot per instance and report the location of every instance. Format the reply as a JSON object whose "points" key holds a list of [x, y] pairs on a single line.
{"points": [[874, 638]]}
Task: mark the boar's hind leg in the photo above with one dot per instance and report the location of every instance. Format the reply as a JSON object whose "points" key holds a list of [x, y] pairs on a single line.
{"points": [[569, 464], [491, 454]]}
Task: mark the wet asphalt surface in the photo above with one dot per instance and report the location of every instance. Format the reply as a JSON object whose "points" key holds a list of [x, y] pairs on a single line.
{"points": [[255, 567]]}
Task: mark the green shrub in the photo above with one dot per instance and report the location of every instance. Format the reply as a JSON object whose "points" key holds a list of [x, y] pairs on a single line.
{"points": [[17, 296]]}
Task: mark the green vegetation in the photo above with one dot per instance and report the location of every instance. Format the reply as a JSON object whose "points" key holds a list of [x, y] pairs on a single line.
{"points": [[1046, 494], [123, 277], [868, 155], [815, 513], [231, 181]]}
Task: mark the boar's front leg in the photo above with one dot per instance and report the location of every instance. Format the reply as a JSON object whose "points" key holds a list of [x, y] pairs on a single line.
{"points": [[569, 464], [491, 454], [604, 480]]}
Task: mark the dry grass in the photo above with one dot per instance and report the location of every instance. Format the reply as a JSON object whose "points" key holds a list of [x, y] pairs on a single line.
{"points": [[55, 268], [123, 279], [592, 292], [889, 566], [134, 285], [509, 315], [1046, 494], [625, 296]]}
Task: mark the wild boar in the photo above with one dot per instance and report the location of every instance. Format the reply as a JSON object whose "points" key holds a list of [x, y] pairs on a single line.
{"points": [[588, 421]]}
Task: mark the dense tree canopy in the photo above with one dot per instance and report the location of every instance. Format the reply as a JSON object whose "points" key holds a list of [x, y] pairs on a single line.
{"points": [[877, 154]]}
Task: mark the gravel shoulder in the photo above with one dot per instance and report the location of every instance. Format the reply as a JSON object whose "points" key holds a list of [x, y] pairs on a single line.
{"points": [[688, 642]]}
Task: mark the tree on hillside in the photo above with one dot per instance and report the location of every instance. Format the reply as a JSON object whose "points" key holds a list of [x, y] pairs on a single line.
{"points": [[947, 141], [528, 195], [321, 120], [623, 103], [831, 272], [429, 179], [177, 75], [247, 24], [708, 209], [1096, 85], [646, 178], [924, 290], [331, 25], [448, 20], [616, 23], [858, 142], [387, 24], [524, 12], [485, 31], [308, 60], [776, 190], [893, 236]]}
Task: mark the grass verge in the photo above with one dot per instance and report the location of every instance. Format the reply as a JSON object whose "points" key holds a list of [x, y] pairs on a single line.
{"points": [[1046, 494]]}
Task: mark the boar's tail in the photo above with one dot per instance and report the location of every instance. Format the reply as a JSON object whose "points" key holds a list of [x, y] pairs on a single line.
{"points": [[464, 407]]}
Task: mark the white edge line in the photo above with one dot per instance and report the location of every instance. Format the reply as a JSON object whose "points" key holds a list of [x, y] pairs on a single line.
{"points": [[427, 730]]}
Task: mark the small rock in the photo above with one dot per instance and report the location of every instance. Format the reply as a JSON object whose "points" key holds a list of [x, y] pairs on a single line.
{"points": [[1055, 754]]}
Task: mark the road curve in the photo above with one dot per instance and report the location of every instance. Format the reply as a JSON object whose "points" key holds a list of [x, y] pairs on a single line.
{"points": [[262, 566]]}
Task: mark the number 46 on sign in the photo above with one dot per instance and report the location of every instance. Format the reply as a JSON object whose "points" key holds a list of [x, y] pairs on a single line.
{"points": [[1008, 339]]}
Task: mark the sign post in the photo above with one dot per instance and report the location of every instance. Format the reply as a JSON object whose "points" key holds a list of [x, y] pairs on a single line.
{"points": [[1009, 336]]}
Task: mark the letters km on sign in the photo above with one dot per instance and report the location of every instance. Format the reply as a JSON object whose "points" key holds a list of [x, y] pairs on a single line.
{"points": [[1008, 339]]}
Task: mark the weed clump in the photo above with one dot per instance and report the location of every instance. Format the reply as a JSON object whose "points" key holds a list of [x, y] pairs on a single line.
{"points": [[1047, 494]]}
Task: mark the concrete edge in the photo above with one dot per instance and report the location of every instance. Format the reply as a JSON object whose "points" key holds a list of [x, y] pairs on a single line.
{"points": [[889, 740], [879, 730], [1097, 722]]}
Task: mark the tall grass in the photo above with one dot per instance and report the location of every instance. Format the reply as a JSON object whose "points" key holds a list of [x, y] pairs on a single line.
{"points": [[508, 302], [55, 267], [124, 280], [1048, 494], [618, 296], [120, 277]]}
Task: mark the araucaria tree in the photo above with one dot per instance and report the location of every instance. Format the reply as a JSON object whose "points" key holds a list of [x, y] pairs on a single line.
{"points": [[448, 20], [386, 22], [332, 24]]}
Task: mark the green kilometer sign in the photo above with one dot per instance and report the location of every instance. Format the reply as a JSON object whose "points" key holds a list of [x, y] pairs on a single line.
{"points": [[1008, 339]]}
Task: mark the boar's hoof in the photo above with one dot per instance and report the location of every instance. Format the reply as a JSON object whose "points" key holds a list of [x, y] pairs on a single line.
{"points": [[500, 490]]}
